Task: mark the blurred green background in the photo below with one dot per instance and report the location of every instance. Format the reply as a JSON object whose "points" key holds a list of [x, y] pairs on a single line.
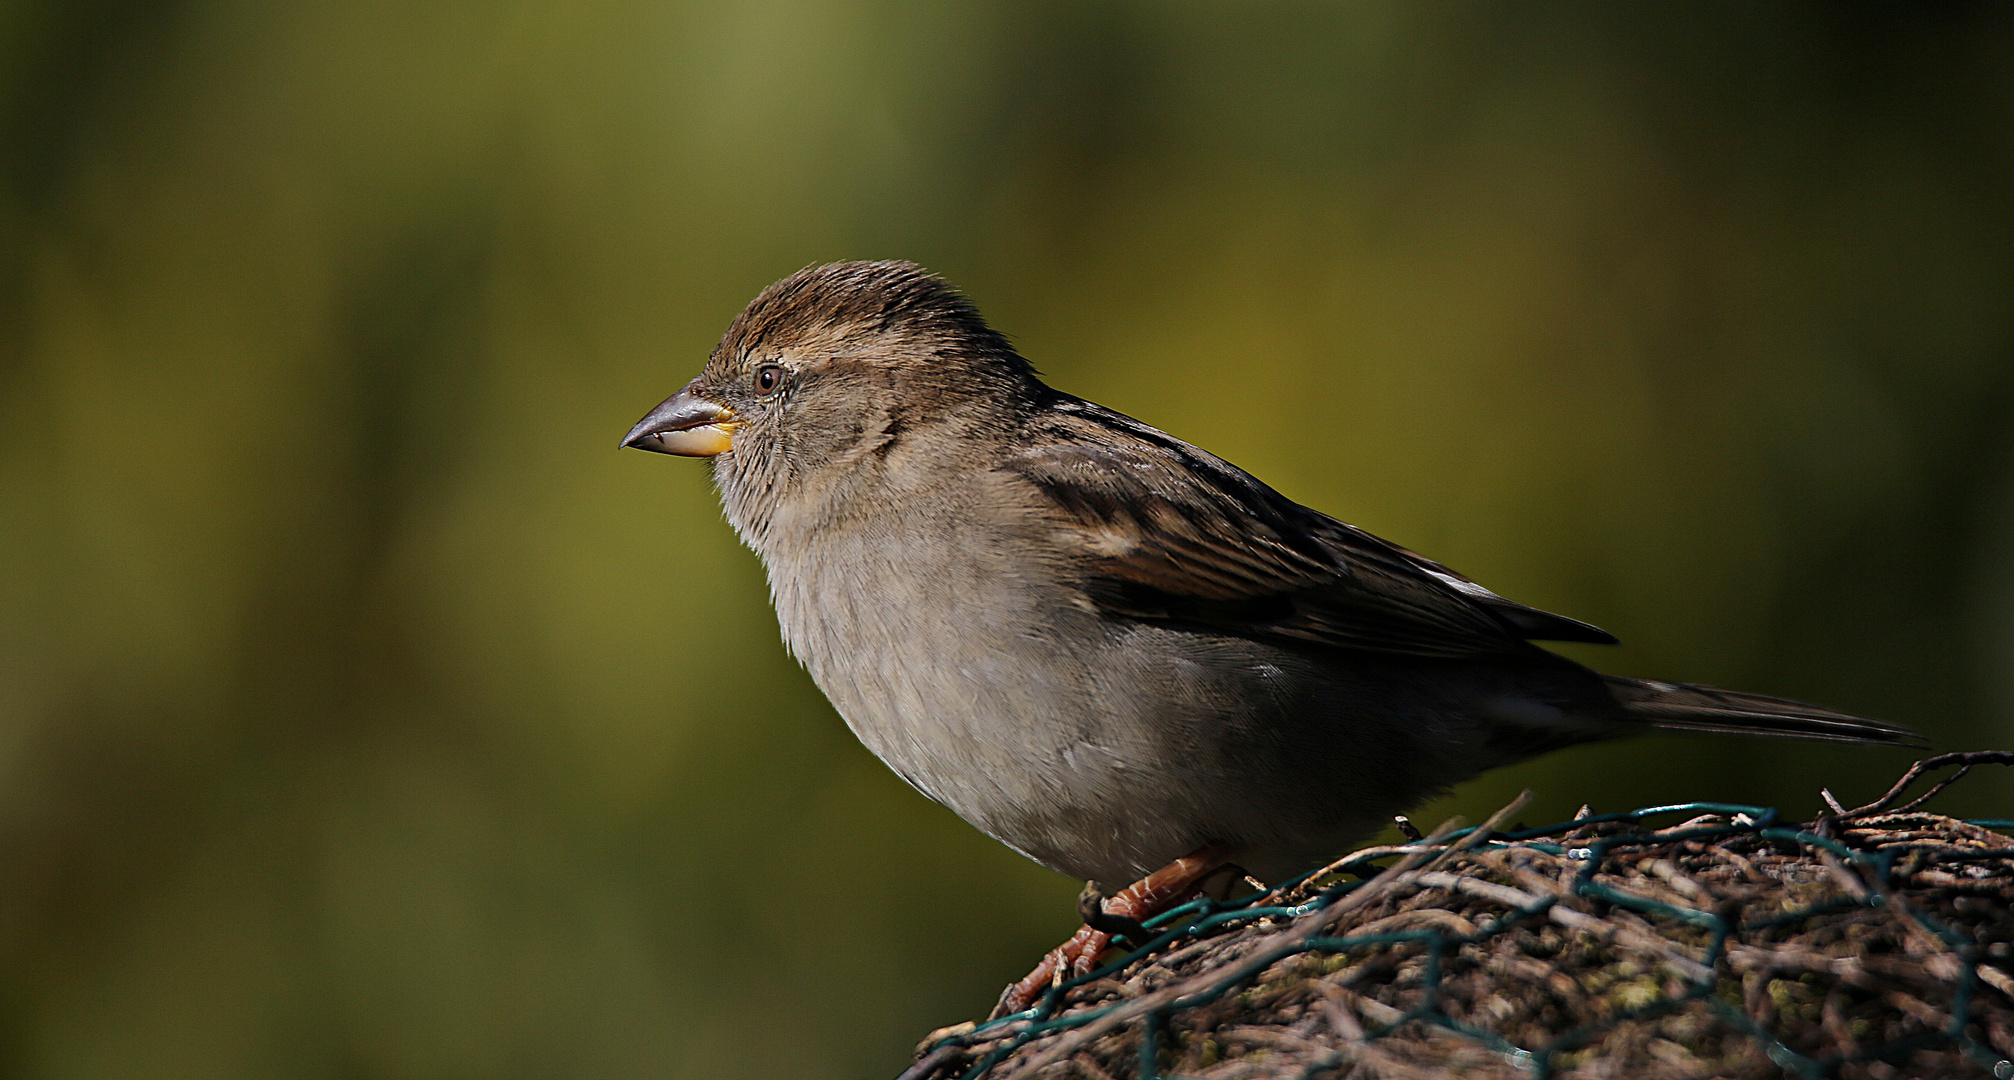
{"points": [[365, 713]]}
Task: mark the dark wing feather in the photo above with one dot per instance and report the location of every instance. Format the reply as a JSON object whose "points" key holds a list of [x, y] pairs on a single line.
{"points": [[1158, 529]]}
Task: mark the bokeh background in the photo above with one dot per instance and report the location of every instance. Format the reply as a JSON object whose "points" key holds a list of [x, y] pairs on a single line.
{"points": [[365, 713]]}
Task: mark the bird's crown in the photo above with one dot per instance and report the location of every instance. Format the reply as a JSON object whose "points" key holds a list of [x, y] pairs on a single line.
{"points": [[886, 311]]}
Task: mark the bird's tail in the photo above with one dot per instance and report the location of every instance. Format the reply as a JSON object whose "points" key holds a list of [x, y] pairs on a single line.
{"points": [[1683, 707]]}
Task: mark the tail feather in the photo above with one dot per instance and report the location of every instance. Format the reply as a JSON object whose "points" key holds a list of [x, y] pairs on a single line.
{"points": [[1684, 707]]}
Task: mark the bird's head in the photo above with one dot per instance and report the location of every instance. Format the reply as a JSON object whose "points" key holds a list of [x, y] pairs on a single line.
{"points": [[831, 373]]}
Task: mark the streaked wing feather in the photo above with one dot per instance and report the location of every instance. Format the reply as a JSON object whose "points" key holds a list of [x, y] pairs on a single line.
{"points": [[1162, 530]]}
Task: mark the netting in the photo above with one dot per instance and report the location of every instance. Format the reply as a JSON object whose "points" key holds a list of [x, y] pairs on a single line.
{"points": [[1692, 940]]}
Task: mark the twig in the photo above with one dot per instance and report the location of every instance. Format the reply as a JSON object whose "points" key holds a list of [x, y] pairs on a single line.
{"points": [[1964, 759], [933, 1061]]}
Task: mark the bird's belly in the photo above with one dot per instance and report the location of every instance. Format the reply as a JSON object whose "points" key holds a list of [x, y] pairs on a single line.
{"points": [[1099, 749], [981, 705], [994, 738]]}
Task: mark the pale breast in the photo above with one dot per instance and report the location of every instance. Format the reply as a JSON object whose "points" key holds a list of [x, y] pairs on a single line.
{"points": [[942, 656], [994, 689]]}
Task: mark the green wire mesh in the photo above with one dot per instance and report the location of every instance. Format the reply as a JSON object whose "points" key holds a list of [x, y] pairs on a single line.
{"points": [[1871, 942]]}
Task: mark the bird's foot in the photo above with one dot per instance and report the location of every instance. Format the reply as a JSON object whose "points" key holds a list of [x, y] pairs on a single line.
{"points": [[1091, 907], [1105, 917], [1054, 968]]}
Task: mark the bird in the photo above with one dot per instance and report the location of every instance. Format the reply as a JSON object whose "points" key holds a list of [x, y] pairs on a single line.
{"points": [[1115, 652]]}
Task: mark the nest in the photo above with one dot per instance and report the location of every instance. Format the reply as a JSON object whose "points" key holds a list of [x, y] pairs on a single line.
{"points": [[1702, 940]]}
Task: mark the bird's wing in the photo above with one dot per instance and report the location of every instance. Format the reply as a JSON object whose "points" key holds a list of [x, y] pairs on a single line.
{"points": [[1154, 528]]}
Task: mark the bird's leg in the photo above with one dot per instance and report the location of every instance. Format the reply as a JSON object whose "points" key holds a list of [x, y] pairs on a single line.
{"points": [[1119, 914]]}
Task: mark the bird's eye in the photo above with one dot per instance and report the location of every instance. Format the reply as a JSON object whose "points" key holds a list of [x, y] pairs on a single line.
{"points": [[767, 379]]}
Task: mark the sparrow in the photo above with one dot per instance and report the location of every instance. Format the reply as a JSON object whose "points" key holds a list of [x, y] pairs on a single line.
{"points": [[1110, 650]]}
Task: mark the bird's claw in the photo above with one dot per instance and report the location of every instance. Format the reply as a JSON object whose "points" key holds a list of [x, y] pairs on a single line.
{"points": [[1077, 956], [1091, 906]]}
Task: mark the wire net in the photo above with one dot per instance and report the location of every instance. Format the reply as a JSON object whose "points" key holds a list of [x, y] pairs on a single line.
{"points": [[1695, 940]]}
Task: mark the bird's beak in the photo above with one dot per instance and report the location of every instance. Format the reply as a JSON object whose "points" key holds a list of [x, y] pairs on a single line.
{"points": [[685, 424]]}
